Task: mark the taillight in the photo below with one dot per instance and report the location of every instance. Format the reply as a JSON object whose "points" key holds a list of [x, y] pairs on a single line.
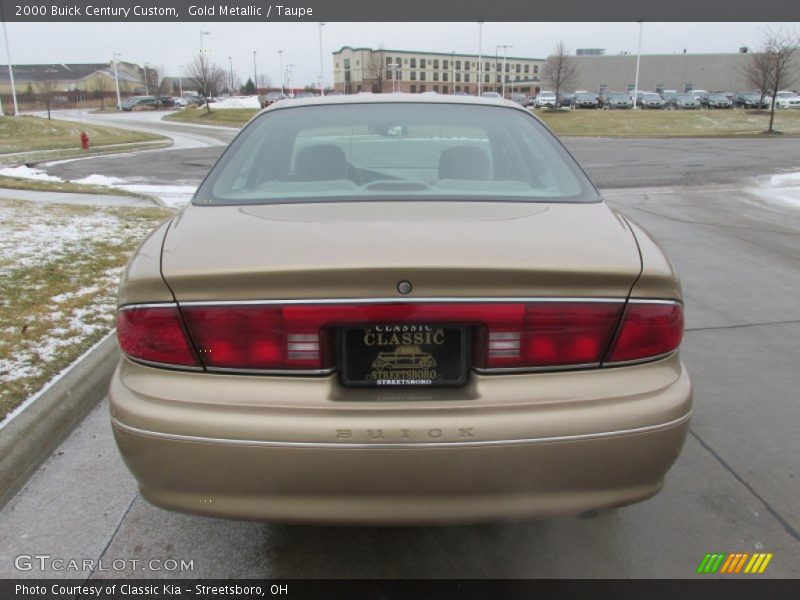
{"points": [[648, 329], [154, 334]]}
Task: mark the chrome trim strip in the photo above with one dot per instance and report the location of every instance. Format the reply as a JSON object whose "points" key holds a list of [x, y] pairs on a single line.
{"points": [[511, 370], [147, 305], [381, 445], [232, 371], [171, 367], [653, 301], [404, 299], [640, 361]]}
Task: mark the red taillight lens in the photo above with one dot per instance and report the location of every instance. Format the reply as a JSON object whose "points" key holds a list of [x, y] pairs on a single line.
{"points": [[154, 334], [648, 330], [550, 334]]}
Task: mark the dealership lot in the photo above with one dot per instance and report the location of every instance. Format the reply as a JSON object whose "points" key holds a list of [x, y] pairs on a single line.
{"points": [[735, 488]]}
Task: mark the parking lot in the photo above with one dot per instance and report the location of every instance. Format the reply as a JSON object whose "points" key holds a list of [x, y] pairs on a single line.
{"points": [[735, 487]]}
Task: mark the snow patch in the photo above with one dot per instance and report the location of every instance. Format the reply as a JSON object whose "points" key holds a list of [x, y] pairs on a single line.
{"points": [[237, 102], [23, 172], [783, 188], [99, 180]]}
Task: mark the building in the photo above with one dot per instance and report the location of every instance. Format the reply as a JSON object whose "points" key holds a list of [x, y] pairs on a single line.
{"points": [[70, 80], [658, 72], [380, 70]]}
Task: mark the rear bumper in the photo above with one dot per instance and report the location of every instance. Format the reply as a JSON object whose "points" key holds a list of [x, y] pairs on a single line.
{"points": [[306, 450]]}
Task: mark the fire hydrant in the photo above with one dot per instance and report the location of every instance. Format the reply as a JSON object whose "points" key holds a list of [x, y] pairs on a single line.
{"points": [[84, 140]]}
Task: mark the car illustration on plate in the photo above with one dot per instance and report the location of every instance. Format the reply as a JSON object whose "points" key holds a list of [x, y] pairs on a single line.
{"points": [[404, 357]]}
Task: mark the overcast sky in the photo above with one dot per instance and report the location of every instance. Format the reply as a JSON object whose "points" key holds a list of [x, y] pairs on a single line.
{"points": [[172, 44]]}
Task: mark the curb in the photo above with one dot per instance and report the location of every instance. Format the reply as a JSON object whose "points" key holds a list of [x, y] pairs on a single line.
{"points": [[32, 434]]}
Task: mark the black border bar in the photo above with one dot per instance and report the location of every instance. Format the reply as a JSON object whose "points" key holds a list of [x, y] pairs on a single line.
{"points": [[403, 11]]}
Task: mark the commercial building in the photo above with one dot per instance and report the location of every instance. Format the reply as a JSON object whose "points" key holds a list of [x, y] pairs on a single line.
{"points": [[381, 70], [658, 72]]}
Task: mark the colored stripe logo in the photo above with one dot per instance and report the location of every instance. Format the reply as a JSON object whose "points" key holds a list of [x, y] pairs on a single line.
{"points": [[734, 563]]}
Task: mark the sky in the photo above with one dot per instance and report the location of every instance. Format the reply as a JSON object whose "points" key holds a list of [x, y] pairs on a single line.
{"points": [[169, 45]]}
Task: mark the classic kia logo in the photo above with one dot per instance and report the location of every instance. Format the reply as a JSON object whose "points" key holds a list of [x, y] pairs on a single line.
{"points": [[404, 287]]}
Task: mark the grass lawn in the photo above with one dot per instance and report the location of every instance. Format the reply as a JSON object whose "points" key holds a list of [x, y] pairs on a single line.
{"points": [[59, 270], [230, 117], [20, 183], [668, 123], [29, 134]]}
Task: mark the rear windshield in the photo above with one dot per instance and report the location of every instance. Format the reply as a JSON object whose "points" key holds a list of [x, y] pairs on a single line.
{"points": [[394, 151]]}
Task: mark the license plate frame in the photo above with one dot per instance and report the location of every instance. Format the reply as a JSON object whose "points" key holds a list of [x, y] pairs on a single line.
{"points": [[407, 365]]}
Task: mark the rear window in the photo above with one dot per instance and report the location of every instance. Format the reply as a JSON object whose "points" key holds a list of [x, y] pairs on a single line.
{"points": [[394, 151]]}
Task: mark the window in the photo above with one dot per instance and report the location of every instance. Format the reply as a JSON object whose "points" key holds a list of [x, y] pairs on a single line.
{"points": [[507, 68], [435, 63], [486, 78], [337, 65], [405, 61], [535, 68], [413, 63], [436, 76], [466, 77], [346, 63], [466, 65], [516, 78], [487, 66], [413, 76], [444, 65], [458, 76], [421, 63], [388, 73], [422, 75], [458, 65], [436, 89], [445, 76], [518, 67], [413, 89], [421, 89], [498, 78], [527, 68], [688, 87], [388, 61], [603, 88], [445, 89], [497, 67], [630, 87]]}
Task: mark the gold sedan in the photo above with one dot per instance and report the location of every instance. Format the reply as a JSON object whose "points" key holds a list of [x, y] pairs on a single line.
{"points": [[335, 232]]}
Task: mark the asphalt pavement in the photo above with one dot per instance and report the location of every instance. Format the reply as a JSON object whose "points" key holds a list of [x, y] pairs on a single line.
{"points": [[735, 487]]}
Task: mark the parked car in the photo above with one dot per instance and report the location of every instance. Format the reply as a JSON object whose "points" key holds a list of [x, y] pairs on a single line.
{"points": [[529, 102], [586, 100], [686, 102], [717, 100], [138, 102], [566, 100], [545, 99], [540, 375], [490, 95], [670, 98], [617, 100], [651, 100], [266, 99], [751, 100], [785, 99], [177, 101]]}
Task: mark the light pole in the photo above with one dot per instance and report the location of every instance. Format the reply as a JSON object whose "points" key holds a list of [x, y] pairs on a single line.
{"points": [[480, 56], [202, 33], [638, 58], [10, 67], [230, 62], [321, 88], [289, 68], [180, 80], [255, 71], [116, 79], [146, 89], [280, 59], [505, 48], [398, 73]]}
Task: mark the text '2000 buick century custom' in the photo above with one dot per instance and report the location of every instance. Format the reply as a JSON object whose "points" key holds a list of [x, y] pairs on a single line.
{"points": [[398, 309]]}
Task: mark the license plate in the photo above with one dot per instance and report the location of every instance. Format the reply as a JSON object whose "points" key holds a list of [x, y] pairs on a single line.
{"points": [[410, 355]]}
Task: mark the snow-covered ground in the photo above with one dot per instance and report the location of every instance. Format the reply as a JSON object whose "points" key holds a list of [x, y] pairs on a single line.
{"points": [[237, 102], [783, 188], [59, 270], [174, 196]]}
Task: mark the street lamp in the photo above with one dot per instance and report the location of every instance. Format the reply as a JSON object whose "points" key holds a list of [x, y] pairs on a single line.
{"points": [[230, 61], [638, 58], [289, 68], [255, 71], [321, 88], [116, 79], [10, 67], [146, 89], [180, 80], [505, 48], [480, 56], [398, 73], [280, 59], [202, 33]]}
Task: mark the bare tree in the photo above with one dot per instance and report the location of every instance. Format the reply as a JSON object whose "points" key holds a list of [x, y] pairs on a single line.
{"points": [[101, 84], [45, 88], [560, 70], [206, 76], [158, 82], [263, 82], [756, 72], [375, 70]]}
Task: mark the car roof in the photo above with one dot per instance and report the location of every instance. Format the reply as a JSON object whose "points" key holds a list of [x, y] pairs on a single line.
{"points": [[366, 98]]}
